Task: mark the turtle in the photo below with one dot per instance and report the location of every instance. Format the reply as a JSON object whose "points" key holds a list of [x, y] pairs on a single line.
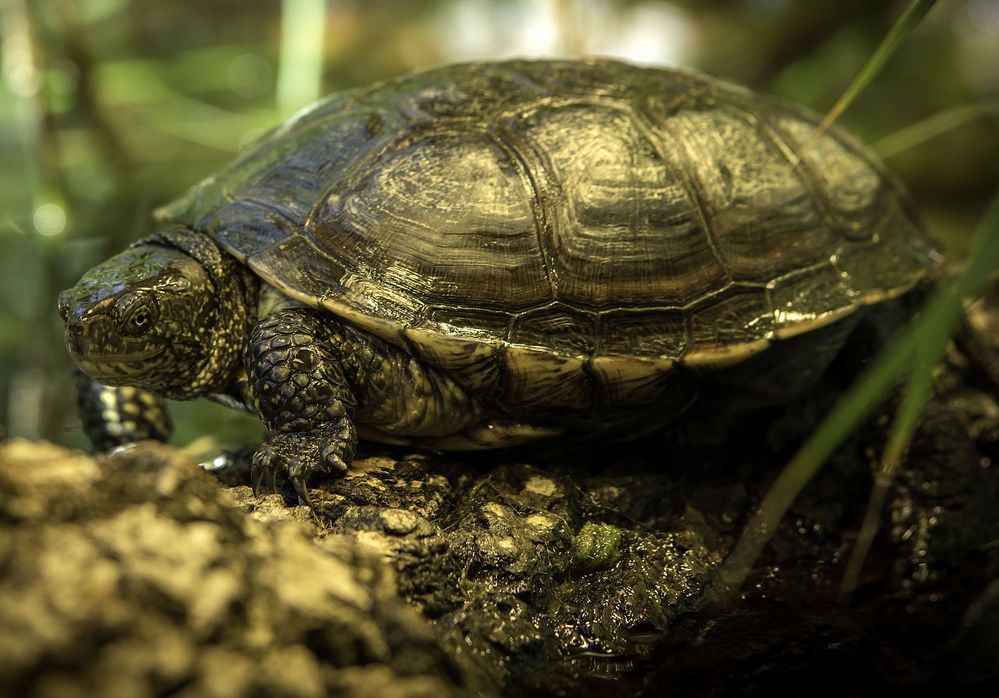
{"points": [[483, 254]]}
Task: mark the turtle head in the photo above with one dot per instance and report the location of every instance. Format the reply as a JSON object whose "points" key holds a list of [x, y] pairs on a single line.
{"points": [[159, 316]]}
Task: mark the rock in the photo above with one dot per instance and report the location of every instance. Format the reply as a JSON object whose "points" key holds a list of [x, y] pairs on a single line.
{"points": [[138, 575], [536, 570]]}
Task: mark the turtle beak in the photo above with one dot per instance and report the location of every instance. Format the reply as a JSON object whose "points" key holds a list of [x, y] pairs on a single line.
{"points": [[64, 301], [74, 329]]}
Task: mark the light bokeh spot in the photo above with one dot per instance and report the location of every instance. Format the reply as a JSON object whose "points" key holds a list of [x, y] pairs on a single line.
{"points": [[49, 219]]}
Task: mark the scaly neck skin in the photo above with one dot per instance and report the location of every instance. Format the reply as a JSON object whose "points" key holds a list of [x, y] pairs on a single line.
{"points": [[235, 299]]}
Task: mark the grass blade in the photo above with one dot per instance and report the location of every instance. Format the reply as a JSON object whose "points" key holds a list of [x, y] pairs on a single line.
{"points": [[300, 69], [913, 14], [917, 392], [931, 127], [917, 346]]}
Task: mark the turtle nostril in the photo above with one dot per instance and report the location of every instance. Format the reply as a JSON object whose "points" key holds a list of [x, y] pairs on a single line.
{"points": [[64, 300]]}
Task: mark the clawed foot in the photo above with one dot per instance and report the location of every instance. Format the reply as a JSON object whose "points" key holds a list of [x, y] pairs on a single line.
{"points": [[299, 455]]}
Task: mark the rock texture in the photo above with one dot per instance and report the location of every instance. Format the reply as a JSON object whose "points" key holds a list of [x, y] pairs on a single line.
{"points": [[137, 576], [571, 568]]}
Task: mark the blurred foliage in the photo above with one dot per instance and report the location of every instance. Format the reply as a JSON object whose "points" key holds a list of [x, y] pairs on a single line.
{"points": [[109, 108]]}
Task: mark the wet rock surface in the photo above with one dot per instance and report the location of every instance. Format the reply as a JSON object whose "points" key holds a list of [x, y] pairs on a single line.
{"points": [[573, 568], [137, 575]]}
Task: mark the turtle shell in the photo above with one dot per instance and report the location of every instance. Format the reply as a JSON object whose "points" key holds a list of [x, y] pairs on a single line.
{"points": [[565, 228]]}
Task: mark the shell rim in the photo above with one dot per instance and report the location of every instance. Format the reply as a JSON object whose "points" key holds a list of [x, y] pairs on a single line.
{"points": [[718, 357]]}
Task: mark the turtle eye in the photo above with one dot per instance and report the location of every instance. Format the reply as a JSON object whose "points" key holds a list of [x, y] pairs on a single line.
{"points": [[136, 314]]}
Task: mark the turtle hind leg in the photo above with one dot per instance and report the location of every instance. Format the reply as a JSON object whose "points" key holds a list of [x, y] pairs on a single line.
{"points": [[113, 416]]}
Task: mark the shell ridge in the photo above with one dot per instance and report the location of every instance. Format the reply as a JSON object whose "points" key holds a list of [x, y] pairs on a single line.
{"points": [[542, 216], [805, 172], [688, 181]]}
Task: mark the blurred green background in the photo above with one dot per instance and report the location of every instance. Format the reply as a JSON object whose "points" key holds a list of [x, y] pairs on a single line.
{"points": [[110, 108]]}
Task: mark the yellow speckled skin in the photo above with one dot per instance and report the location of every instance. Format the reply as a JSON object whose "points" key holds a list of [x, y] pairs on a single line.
{"points": [[116, 416]]}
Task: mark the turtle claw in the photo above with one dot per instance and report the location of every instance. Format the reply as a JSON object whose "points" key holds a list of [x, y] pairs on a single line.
{"points": [[298, 455], [301, 484], [256, 477], [331, 454], [258, 471]]}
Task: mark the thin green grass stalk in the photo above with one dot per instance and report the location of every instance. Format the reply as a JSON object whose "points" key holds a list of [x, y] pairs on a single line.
{"points": [[913, 14], [917, 392], [932, 126], [925, 339], [300, 68]]}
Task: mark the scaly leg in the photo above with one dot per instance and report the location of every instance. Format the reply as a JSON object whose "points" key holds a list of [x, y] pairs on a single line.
{"points": [[311, 377], [115, 416], [299, 388]]}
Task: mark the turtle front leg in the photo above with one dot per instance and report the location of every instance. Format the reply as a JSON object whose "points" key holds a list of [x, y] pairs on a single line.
{"points": [[299, 385], [113, 416]]}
